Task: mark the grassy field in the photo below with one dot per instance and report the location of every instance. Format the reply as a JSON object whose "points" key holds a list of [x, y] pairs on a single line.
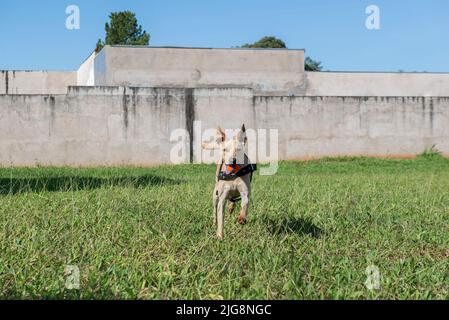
{"points": [[144, 233]]}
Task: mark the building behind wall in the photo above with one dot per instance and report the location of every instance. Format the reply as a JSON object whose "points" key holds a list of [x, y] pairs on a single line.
{"points": [[266, 71]]}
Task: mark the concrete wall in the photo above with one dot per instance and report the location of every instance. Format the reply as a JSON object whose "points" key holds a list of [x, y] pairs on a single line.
{"points": [[377, 84], [36, 82], [96, 126], [264, 70], [90, 126], [313, 127]]}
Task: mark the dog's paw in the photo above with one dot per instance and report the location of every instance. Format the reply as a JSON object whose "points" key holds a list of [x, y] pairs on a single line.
{"points": [[241, 220]]}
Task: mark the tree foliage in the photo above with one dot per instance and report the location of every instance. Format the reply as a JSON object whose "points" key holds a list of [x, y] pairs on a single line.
{"points": [[312, 65], [267, 42], [273, 42], [123, 29]]}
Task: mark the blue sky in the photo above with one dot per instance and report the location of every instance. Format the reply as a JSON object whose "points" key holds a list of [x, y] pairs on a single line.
{"points": [[414, 34]]}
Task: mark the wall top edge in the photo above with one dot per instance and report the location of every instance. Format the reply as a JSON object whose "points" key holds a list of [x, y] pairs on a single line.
{"points": [[120, 91], [380, 72], [202, 48], [34, 71], [130, 90], [348, 97]]}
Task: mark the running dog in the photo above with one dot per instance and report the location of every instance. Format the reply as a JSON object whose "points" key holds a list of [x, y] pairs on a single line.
{"points": [[233, 177]]}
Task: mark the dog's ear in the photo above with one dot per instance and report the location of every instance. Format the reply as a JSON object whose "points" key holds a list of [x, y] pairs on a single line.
{"points": [[221, 135], [241, 136]]}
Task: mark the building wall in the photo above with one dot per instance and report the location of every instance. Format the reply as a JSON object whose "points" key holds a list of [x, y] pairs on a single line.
{"points": [[99, 126], [36, 82], [274, 72], [377, 84], [100, 68], [86, 72], [264, 70]]}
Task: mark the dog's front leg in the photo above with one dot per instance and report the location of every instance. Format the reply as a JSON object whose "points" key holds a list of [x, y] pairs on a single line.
{"points": [[215, 195], [215, 203], [241, 219], [245, 191], [220, 212]]}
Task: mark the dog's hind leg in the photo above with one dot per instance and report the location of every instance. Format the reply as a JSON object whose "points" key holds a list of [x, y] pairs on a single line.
{"points": [[231, 207]]}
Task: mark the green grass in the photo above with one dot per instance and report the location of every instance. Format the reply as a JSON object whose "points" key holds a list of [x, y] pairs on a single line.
{"points": [[313, 229]]}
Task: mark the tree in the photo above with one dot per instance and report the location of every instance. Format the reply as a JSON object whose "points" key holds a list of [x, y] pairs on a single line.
{"points": [[123, 29], [267, 42], [273, 42], [312, 65]]}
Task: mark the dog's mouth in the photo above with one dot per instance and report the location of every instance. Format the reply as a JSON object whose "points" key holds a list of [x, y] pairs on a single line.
{"points": [[232, 167]]}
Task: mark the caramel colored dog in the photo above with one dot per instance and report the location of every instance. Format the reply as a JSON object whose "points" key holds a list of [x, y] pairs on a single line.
{"points": [[232, 180]]}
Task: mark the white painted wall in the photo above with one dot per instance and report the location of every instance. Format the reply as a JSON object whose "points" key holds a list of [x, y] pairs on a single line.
{"points": [[86, 72]]}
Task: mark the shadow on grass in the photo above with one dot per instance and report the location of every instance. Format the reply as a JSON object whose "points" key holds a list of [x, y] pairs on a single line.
{"points": [[78, 183], [298, 226]]}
